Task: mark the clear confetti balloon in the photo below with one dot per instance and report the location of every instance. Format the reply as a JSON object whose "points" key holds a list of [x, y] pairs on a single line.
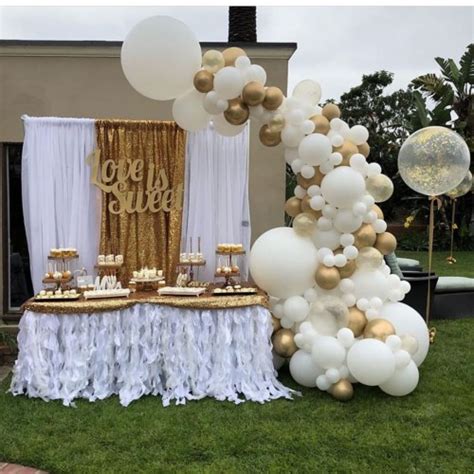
{"points": [[433, 160], [463, 188]]}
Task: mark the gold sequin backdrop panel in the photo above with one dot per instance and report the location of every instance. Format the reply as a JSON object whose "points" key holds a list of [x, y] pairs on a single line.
{"points": [[147, 238]]}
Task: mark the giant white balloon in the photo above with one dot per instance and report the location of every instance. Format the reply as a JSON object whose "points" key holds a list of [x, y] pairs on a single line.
{"points": [[283, 263], [303, 369], [342, 186], [371, 361], [407, 321], [403, 381], [189, 112], [160, 56]]}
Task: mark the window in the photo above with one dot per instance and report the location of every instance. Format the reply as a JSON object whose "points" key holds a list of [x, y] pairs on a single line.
{"points": [[17, 285]]}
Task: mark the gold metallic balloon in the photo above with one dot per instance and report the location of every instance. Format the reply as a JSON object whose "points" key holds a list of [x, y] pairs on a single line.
{"points": [[380, 187], [348, 269], [357, 321], [304, 223], [331, 111], [321, 124], [463, 188], [386, 243], [213, 60], [203, 81], [378, 329], [231, 54], [369, 258], [305, 207], [253, 93], [273, 98], [433, 160], [378, 211], [293, 206], [347, 149], [307, 182], [269, 138], [364, 149], [283, 342], [237, 113], [327, 278], [365, 236], [275, 323], [277, 123], [342, 390]]}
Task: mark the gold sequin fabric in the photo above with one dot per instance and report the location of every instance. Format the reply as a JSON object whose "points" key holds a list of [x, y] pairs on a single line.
{"points": [[205, 301], [144, 238]]}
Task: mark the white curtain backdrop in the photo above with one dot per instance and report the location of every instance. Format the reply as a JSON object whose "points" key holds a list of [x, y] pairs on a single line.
{"points": [[216, 202], [60, 206]]}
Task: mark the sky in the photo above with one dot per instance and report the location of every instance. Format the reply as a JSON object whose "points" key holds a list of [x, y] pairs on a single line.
{"points": [[336, 45]]}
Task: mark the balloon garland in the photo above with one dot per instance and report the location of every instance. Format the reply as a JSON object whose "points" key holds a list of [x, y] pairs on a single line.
{"points": [[336, 308]]}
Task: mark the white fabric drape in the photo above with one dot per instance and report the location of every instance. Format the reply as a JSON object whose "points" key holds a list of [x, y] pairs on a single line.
{"points": [[216, 202], [61, 207], [180, 354]]}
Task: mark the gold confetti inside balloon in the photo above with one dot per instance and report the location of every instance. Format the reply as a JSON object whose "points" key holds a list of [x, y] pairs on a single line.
{"points": [[213, 60], [433, 160], [369, 258], [463, 188], [380, 187], [304, 223], [379, 329]]}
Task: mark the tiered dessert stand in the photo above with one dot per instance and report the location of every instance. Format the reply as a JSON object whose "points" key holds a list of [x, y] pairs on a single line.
{"points": [[61, 264], [229, 276]]}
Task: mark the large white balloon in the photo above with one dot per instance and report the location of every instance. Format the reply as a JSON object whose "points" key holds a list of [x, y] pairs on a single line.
{"points": [[283, 263], [315, 149], [407, 321], [326, 238], [189, 112], [343, 186], [403, 381], [160, 56], [304, 370], [371, 361], [328, 352], [296, 308]]}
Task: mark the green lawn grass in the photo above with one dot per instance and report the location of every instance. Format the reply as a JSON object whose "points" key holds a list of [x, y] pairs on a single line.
{"points": [[428, 431]]}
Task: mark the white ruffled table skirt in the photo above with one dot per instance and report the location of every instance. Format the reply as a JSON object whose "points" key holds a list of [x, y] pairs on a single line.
{"points": [[148, 349]]}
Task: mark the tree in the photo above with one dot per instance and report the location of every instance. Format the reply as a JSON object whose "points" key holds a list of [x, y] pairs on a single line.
{"points": [[243, 24]]}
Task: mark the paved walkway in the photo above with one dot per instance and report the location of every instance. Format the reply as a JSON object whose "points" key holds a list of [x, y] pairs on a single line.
{"points": [[6, 468]]}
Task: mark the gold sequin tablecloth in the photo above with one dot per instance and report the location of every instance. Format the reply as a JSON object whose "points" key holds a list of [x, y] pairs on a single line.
{"points": [[205, 301]]}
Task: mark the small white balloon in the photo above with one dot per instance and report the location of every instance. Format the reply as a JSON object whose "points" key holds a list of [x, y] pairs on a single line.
{"points": [[324, 223], [317, 203], [380, 226], [374, 169], [313, 190], [359, 209], [329, 211], [329, 260], [363, 304], [351, 252], [346, 221], [242, 62], [402, 359], [346, 285], [402, 382], [255, 73], [297, 165], [322, 382], [300, 192], [303, 369], [315, 149], [340, 260], [328, 352], [346, 337], [326, 167], [291, 136], [310, 295], [358, 134], [333, 375], [307, 127], [296, 308], [347, 239], [336, 139], [349, 299], [394, 342], [228, 82], [307, 171], [335, 158], [223, 127]]}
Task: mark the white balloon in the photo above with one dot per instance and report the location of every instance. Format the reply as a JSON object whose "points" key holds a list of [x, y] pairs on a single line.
{"points": [[308, 172], [346, 222], [340, 260], [329, 260], [322, 382], [380, 226], [358, 134], [314, 190], [328, 352], [351, 252], [408, 322], [370, 283], [308, 91], [291, 154], [307, 127], [228, 82], [160, 56], [371, 362], [213, 104], [223, 127], [242, 62], [256, 73], [347, 239], [402, 359], [291, 136], [189, 112], [283, 263], [303, 369], [310, 295], [296, 308], [335, 159], [297, 165], [346, 337], [342, 187], [374, 169], [324, 223], [333, 375], [317, 202], [409, 344], [329, 211], [315, 149], [402, 382], [300, 192]]}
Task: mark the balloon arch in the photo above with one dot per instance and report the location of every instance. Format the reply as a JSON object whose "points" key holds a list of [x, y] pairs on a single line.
{"points": [[336, 307]]}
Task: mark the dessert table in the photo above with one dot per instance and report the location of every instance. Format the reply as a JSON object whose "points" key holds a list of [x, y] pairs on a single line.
{"points": [[181, 348]]}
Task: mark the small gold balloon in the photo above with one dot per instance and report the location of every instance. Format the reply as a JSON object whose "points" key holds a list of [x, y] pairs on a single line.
{"points": [[273, 98], [237, 113], [321, 124], [365, 236], [342, 390], [380, 187], [357, 321], [347, 149], [283, 342], [307, 182], [348, 269], [369, 258], [203, 81], [364, 149], [305, 207], [331, 111], [231, 54], [386, 243], [377, 211], [277, 123], [378, 329], [253, 93], [275, 323], [213, 60], [269, 138], [293, 206], [304, 223], [327, 278]]}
